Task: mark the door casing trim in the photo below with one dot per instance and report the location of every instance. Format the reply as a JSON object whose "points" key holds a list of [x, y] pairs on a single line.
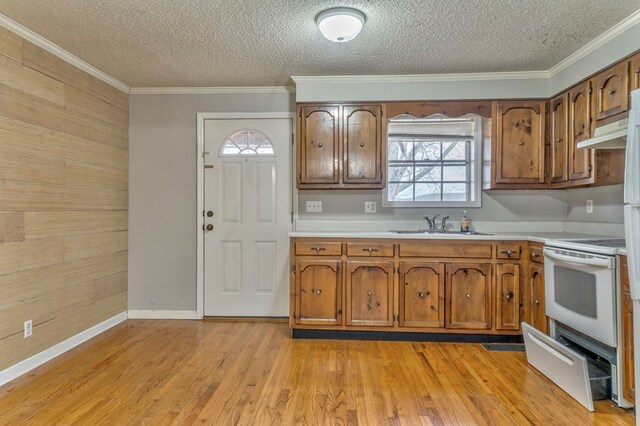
{"points": [[201, 118]]}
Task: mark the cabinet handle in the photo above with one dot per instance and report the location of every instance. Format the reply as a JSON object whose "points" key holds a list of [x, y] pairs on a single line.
{"points": [[578, 133], [318, 249], [361, 144], [558, 140], [508, 296], [422, 294], [612, 92], [507, 252], [637, 70], [534, 255], [520, 142], [468, 296], [320, 145], [369, 293], [370, 250], [318, 291]]}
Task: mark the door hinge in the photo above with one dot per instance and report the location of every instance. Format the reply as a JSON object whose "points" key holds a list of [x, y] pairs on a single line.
{"points": [[292, 139], [590, 167], [292, 217], [293, 268], [398, 269]]}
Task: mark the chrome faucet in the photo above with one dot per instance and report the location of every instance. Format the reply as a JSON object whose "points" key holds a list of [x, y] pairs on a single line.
{"points": [[443, 225], [431, 222]]}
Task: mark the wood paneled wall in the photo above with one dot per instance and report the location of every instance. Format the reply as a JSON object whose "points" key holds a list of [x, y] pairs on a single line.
{"points": [[63, 199]]}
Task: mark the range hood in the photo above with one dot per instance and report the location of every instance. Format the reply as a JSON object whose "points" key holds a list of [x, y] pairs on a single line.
{"points": [[610, 136]]}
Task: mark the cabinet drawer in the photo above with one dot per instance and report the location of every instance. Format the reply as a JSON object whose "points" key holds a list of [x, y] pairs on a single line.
{"points": [[417, 249], [318, 249], [536, 253], [511, 251], [370, 249]]}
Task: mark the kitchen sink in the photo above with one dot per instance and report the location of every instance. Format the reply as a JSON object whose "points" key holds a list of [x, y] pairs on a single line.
{"points": [[427, 231]]}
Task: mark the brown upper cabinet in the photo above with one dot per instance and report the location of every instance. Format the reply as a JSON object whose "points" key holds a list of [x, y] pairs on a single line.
{"points": [[558, 137], [612, 91], [518, 145], [580, 160], [635, 72], [341, 146]]}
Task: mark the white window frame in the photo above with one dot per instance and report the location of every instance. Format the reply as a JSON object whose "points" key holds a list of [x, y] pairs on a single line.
{"points": [[476, 178]]}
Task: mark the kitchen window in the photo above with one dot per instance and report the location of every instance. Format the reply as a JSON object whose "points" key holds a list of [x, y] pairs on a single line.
{"points": [[433, 162]]}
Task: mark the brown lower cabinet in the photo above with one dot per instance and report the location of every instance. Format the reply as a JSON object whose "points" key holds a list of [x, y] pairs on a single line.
{"points": [[535, 293], [408, 285], [626, 308], [369, 293]]}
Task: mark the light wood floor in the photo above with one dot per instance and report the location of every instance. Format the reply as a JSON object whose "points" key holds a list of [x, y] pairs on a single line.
{"points": [[149, 372]]}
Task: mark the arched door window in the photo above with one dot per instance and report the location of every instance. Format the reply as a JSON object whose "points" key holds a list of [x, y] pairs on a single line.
{"points": [[247, 142]]}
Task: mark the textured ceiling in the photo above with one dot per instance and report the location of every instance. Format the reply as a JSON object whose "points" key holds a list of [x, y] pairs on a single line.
{"points": [[262, 43]]}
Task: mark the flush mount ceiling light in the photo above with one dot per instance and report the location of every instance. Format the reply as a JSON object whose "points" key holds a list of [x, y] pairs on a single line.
{"points": [[340, 24]]}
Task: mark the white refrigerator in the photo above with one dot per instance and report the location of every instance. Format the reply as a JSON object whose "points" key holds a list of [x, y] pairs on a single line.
{"points": [[632, 224]]}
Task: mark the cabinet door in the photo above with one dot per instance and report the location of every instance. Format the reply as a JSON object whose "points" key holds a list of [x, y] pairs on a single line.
{"points": [[319, 147], [520, 142], [626, 314], [508, 296], [558, 135], [537, 308], [318, 287], [635, 72], [612, 91], [580, 160], [362, 143], [468, 294], [369, 293], [421, 288]]}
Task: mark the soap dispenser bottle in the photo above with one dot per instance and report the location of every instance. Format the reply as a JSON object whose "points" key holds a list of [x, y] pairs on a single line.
{"points": [[464, 222]]}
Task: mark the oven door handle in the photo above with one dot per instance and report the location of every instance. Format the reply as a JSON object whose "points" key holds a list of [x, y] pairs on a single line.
{"points": [[594, 261]]}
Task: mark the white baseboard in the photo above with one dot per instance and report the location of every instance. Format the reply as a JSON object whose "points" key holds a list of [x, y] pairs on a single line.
{"points": [[163, 314], [38, 359]]}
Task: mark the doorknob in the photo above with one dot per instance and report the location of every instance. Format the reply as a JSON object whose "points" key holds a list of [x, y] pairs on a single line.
{"points": [[209, 213], [209, 227]]}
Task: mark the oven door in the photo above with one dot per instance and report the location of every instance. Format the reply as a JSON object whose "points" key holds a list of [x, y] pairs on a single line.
{"points": [[580, 292]]}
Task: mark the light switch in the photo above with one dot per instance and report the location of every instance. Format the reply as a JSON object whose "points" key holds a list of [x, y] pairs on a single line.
{"points": [[314, 206]]}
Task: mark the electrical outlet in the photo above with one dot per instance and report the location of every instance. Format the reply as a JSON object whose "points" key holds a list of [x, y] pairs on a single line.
{"points": [[370, 206], [314, 206], [589, 206], [28, 328]]}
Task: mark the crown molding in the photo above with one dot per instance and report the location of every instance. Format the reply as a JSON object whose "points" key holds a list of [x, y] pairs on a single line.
{"points": [[50, 47], [211, 90], [596, 43], [423, 78]]}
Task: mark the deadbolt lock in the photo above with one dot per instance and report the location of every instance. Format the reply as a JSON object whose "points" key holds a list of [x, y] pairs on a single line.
{"points": [[209, 227], [209, 213]]}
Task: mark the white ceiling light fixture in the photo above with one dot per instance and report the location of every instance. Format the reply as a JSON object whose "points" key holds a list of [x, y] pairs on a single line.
{"points": [[340, 24]]}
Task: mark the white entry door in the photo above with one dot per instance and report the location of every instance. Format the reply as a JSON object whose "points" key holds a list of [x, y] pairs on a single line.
{"points": [[247, 206]]}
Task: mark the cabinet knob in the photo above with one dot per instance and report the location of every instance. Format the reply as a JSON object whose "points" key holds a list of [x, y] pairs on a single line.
{"points": [[558, 140], [578, 133], [520, 142], [537, 302], [369, 293], [612, 92], [361, 144], [637, 70], [534, 255], [508, 296], [468, 296], [320, 145], [318, 291], [421, 294]]}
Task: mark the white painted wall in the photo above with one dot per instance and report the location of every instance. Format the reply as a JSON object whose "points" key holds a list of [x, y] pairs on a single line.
{"points": [[162, 191]]}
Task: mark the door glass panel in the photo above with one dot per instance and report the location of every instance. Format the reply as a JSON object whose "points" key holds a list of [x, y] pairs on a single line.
{"points": [[576, 291], [246, 142]]}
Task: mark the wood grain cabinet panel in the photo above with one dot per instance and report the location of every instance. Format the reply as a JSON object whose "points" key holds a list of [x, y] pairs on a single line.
{"points": [[519, 135], [508, 296], [538, 317], [341, 146], [319, 147], [626, 314], [612, 91], [318, 292], [558, 136], [369, 293], [362, 127], [421, 294], [468, 296], [635, 71], [580, 159]]}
